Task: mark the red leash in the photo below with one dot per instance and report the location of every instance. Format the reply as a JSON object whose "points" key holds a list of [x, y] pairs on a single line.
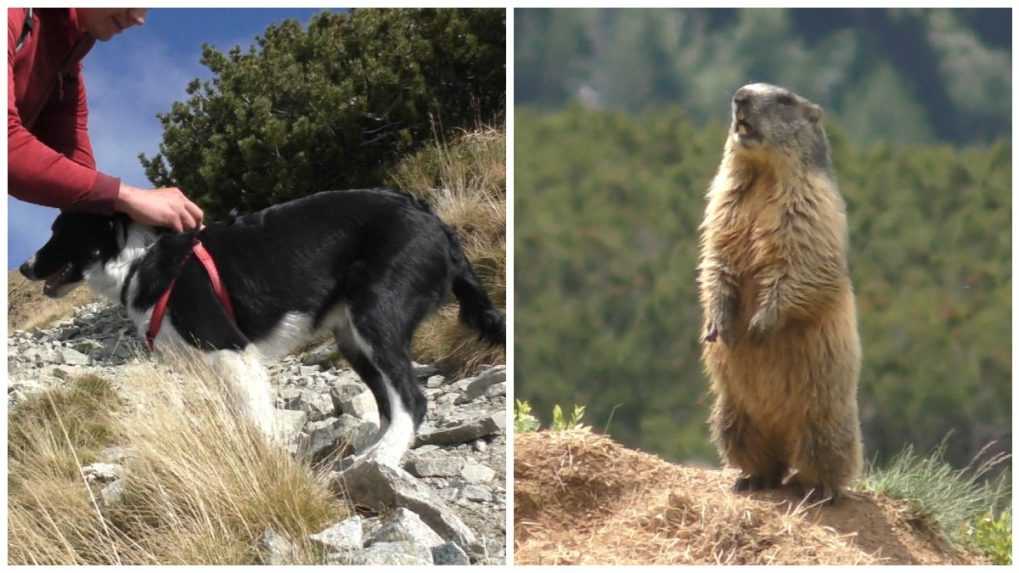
{"points": [[158, 311]]}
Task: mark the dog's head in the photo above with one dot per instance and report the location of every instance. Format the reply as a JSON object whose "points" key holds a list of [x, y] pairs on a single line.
{"points": [[79, 242]]}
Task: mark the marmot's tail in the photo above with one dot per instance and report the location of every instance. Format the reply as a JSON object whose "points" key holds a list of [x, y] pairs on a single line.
{"points": [[476, 309]]}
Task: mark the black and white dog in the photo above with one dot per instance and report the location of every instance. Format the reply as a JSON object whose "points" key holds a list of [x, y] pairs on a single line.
{"points": [[367, 265]]}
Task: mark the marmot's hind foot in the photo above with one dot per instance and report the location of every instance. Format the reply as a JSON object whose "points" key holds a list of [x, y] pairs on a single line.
{"points": [[819, 494], [756, 483]]}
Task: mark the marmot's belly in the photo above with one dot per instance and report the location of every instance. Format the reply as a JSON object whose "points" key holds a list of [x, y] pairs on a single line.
{"points": [[775, 381]]}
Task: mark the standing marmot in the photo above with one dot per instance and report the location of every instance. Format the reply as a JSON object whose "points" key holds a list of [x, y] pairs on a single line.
{"points": [[780, 342]]}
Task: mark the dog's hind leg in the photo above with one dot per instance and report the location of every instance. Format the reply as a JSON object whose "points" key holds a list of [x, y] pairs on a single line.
{"points": [[385, 366], [249, 382]]}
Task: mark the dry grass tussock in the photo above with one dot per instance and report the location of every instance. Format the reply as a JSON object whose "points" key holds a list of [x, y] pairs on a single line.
{"points": [[203, 485], [28, 308], [465, 182], [583, 499]]}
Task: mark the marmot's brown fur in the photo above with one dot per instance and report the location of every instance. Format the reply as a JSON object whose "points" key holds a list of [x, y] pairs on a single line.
{"points": [[780, 339]]}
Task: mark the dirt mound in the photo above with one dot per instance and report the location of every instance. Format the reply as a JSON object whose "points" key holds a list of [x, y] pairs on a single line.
{"points": [[28, 308], [581, 498]]}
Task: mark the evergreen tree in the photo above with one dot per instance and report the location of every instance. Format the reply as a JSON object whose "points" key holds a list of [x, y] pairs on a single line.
{"points": [[331, 106]]}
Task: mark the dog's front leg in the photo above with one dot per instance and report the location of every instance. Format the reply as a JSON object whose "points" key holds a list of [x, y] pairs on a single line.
{"points": [[249, 383]]}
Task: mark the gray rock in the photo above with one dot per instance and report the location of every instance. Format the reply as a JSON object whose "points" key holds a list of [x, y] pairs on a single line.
{"points": [[396, 553], [344, 388], [477, 473], [325, 436], [288, 395], [357, 432], [278, 549], [466, 432], [376, 485], [113, 492], [289, 424], [357, 401], [405, 525], [73, 357], [496, 390], [424, 370], [85, 345], [102, 473], [435, 381], [320, 356], [449, 554], [345, 535], [484, 381], [69, 333], [24, 388], [61, 374], [433, 465], [476, 493], [317, 405], [41, 356], [449, 398]]}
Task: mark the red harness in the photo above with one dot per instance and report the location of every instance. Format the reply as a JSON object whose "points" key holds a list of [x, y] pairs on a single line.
{"points": [[199, 251]]}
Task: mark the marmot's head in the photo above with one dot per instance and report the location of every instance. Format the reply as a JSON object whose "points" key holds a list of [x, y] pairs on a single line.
{"points": [[769, 119]]}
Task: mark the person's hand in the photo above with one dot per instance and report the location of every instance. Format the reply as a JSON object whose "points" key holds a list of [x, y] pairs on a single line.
{"points": [[164, 207]]}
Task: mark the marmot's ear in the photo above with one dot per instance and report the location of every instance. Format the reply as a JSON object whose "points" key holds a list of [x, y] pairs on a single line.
{"points": [[814, 112]]}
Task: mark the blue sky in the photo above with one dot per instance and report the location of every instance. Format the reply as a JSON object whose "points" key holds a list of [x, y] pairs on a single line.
{"points": [[129, 80]]}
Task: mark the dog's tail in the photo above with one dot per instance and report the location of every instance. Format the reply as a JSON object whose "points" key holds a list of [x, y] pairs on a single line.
{"points": [[476, 309]]}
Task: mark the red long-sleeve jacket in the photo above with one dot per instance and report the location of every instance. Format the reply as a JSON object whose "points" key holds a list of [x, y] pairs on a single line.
{"points": [[50, 159]]}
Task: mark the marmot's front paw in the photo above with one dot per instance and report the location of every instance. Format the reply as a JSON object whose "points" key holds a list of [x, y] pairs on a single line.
{"points": [[720, 322], [763, 323], [718, 330]]}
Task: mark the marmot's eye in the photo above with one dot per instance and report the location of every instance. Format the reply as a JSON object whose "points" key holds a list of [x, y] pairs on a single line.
{"points": [[785, 99]]}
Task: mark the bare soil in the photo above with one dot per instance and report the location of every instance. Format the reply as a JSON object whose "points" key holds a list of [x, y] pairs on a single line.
{"points": [[581, 498]]}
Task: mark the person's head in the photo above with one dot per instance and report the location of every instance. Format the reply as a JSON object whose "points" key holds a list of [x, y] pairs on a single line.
{"points": [[105, 23]]}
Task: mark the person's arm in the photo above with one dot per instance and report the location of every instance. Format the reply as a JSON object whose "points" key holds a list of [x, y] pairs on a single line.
{"points": [[63, 123], [65, 176], [40, 174]]}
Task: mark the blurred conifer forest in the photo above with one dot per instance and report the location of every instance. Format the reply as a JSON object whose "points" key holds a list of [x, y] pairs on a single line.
{"points": [[621, 116]]}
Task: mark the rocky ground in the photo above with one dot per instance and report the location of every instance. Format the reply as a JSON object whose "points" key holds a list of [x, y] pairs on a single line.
{"points": [[446, 504]]}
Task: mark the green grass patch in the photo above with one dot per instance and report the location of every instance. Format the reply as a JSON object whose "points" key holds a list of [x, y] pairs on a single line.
{"points": [[968, 507]]}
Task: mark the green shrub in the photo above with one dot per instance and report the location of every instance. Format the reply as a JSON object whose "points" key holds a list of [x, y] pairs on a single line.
{"points": [[330, 106]]}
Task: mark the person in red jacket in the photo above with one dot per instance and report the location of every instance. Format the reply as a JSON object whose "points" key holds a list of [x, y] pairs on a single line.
{"points": [[50, 160]]}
